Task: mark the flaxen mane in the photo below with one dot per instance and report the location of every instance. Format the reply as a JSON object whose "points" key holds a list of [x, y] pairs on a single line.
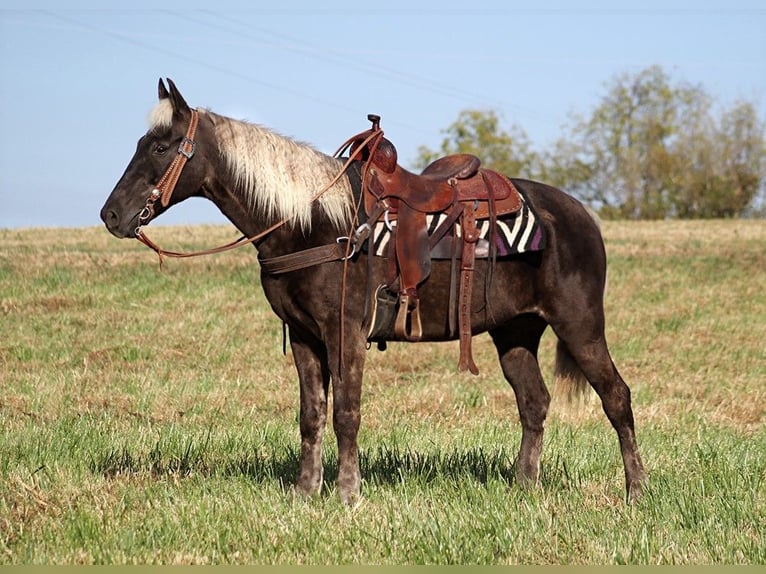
{"points": [[275, 174]]}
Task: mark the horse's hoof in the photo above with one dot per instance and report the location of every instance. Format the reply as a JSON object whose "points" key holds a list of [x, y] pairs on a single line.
{"points": [[635, 490], [306, 491]]}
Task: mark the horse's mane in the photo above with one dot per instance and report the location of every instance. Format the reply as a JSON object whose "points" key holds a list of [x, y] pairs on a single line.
{"points": [[275, 175]]}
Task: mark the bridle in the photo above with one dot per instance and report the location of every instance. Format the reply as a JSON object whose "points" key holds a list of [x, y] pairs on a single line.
{"points": [[167, 183], [342, 249]]}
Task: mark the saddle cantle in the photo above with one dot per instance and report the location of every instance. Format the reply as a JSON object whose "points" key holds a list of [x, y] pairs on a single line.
{"points": [[455, 185]]}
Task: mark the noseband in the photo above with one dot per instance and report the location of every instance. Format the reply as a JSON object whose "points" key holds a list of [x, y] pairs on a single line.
{"points": [[164, 188]]}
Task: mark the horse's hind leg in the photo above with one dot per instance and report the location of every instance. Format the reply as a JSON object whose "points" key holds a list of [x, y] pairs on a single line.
{"points": [[589, 349], [517, 345]]}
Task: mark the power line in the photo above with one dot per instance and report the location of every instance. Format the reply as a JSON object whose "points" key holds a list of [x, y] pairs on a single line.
{"points": [[351, 60], [128, 39], [376, 69]]}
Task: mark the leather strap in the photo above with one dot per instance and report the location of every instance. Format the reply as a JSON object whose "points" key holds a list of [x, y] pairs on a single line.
{"points": [[304, 258], [470, 238], [186, 149], [343, 249]]}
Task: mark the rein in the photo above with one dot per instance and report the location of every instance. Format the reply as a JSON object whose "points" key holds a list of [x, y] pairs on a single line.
{"points": [[342, 249]]}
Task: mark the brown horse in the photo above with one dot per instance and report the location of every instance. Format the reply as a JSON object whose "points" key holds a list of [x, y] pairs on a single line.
{"points": [[258, 178]]}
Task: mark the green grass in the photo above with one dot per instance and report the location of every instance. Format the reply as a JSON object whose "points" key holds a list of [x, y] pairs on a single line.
{"points": [[149, 416]]}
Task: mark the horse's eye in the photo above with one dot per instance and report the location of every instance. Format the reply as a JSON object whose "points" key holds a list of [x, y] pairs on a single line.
{"points": [[160, 149]]}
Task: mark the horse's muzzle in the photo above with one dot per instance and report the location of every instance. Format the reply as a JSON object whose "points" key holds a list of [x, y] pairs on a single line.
{"points": [[116, 226]]}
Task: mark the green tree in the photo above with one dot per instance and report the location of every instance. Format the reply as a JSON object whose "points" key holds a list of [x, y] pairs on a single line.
{"points": [[721, 165], [480, 132], [652, 148], [655, 149]]}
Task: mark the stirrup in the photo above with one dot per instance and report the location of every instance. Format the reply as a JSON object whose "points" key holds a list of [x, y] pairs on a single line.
{"points": [[382, 314], [409, 308]]}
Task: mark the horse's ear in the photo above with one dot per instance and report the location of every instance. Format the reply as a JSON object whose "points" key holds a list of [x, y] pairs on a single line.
{"points": [[162, 91], [180, 107]]}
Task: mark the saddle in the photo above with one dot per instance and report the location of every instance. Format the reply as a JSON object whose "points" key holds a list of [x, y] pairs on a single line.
{"points": [[454, 185]]}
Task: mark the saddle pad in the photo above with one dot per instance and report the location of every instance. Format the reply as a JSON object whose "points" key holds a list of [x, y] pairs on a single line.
{"points": [[518, 232]]}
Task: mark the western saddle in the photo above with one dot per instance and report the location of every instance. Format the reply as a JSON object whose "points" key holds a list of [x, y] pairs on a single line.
{"points": [[455, 186]]}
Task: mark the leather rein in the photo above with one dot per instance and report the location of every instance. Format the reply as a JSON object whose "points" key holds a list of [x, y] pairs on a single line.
{"points": [[343, 249]]}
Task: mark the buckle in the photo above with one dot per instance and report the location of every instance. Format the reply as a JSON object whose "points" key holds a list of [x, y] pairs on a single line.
{"points": [[187, 147], [341, 240]]}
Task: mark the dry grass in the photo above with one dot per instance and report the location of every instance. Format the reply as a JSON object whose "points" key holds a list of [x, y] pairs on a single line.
{"points": [[686, 318], [139, 425]]}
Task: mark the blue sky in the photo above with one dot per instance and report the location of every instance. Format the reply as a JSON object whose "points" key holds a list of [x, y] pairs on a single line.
{"points": [[77, 79]]}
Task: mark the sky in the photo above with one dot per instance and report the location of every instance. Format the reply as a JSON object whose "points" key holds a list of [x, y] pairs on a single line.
{"points": [[77, 80]]}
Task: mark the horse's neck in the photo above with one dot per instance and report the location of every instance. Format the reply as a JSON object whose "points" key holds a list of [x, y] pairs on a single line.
{"points": [[233, 201], [268, 177], [223, 194]]}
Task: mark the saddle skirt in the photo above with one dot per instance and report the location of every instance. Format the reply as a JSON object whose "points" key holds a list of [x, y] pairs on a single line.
{"points": [[515, 233]]}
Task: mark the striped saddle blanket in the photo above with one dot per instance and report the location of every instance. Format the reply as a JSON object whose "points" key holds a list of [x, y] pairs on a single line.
{"points": [[518, 232]]}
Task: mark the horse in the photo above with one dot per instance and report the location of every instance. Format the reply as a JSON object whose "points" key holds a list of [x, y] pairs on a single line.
{"points": [[268, 186]]}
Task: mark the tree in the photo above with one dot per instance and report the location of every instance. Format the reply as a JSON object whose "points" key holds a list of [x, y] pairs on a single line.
{"points": [[654, 149], [721, 170], [480, 133]]}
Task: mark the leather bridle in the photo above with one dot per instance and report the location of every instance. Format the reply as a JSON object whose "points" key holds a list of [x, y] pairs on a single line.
{"points": [[167, 183], [342, 249]]}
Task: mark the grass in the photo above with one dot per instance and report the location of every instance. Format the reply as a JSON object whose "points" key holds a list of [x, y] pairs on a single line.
{"points": [[149, 416]]}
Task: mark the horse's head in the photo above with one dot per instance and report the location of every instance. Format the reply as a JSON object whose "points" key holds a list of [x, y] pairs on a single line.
{"points": [[148, 187]]}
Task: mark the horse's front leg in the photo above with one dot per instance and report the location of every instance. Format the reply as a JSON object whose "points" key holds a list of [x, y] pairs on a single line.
{"points": [[314, 376], [347, 394]]}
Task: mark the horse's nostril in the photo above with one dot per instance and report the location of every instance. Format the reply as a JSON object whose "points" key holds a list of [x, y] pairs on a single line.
{"points": [[110, 217]]}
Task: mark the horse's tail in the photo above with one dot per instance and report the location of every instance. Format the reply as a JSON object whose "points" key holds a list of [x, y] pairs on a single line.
{"points": [[570, 380]]}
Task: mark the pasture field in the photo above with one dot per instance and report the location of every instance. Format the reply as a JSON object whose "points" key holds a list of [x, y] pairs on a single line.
{"points": [[149, 416]]}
